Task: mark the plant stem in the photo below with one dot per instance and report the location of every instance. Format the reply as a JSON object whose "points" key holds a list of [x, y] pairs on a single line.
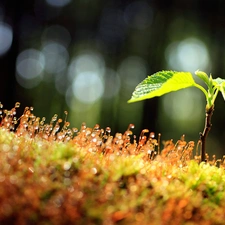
{"points": [[202, 89], [203, 136]]}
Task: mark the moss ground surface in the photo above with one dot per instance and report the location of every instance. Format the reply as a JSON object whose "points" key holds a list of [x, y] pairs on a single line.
{"points": [[53, 182], [51, 174]]}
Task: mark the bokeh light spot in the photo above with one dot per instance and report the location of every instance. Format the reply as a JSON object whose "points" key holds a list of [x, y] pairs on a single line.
{"points": [[30, 63], [56, 57], [29, 67], [88, 87], [181, 106], [58, 34], [132, 70], [86, 75], [6, 37], [28, 84], [89, 61], [112, 84], [188, 55]]}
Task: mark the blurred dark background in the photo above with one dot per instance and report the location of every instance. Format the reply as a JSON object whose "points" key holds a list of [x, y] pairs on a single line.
{"points": [[87, 56]]}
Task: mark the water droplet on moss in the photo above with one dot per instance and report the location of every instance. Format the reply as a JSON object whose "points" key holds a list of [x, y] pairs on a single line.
{"points": [[152, 135], [67, 165], [108, 130], [17, 105], [94, 170], [131, 126]]}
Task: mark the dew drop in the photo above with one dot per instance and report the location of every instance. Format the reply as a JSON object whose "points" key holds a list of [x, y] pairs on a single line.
{"points": [[67, 124], [143, 133], [96, 127], [152, 135], [42, 121], [182, 137], [94, 170], [54, 118], [56, 128], [83, 126], [59, 120], [67, 165], [79, 194], [131, 126], [31, 169], [88, 132], [108, 130], [75, 130], [60, 136], [17, 105]]}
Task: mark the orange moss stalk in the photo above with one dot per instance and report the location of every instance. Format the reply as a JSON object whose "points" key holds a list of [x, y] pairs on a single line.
{"points": [[96, 139], [53, 174]]}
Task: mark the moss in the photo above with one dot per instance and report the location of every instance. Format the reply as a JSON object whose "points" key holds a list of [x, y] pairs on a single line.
{"points": [[91, 177]]}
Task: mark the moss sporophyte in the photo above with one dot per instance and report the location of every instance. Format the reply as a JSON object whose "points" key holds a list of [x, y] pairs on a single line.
{"points": [[164, 82], [53, 174]]}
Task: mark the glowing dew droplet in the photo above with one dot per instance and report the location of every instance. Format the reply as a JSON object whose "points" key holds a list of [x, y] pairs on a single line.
{"points": [[152, 135], [83, 126], [108, 130], [96, 127], [131, 126], [54, 118], [75, 130], [17, 105]]}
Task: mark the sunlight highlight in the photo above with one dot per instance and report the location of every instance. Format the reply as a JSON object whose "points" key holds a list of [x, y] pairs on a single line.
{"points": [[190, 54]]}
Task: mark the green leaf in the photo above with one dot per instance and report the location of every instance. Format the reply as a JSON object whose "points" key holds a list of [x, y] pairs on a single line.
{"points": [[161, 83], [202, 75], [219, 82]]}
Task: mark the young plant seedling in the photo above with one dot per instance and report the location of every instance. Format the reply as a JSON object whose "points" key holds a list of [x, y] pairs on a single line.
{"points": [[164, 82]]}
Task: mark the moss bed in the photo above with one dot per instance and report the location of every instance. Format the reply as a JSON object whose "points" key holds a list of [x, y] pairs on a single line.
{"points": [[51, 174]]}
